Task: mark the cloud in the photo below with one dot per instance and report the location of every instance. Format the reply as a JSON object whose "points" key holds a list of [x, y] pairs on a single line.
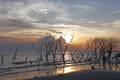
{"points": [[112, 28], [105, 24], [44, 11], [65, 25], [39, 11], [35, 18], [85, 7], [116, 24], [90, 22], [81, 32], [14, 23], [9, 40], [115, 12], [8, 27]]}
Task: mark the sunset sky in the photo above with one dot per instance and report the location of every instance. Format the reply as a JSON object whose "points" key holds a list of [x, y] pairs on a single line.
{"points": [[84, 19]]}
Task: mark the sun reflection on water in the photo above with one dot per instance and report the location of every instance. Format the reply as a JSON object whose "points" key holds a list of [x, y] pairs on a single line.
{"points": [[67, 69]]}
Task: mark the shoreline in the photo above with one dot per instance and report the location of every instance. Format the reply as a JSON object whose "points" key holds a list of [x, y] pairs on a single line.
{"points": [[83, 75], [58, 72]]}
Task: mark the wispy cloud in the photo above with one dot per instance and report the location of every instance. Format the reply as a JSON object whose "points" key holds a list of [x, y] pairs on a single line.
{"points": [[112, 28], [115, 12], [85, 7], [14, 23], [9, 40], [115, 24], [90, 22], [39, 11], [43, 11], [35, 18]]}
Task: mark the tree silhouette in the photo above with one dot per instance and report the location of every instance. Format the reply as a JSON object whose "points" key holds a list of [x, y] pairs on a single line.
{"points": [[2, 58]]}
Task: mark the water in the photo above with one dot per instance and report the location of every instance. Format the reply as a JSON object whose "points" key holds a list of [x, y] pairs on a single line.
{"points": [[22, 71]]}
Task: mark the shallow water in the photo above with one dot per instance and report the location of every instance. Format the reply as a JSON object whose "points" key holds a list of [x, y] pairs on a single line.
{"points": [[32, 72], [22, 71]]}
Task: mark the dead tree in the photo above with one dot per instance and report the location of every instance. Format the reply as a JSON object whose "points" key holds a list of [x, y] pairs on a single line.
{"points": [[26, 61], [116, 60], [2, 58], [38, 49], [112, 43], [14, 55], [54, 50], [102, 49], [47, 43], [74, 53], [91, 50], [97, 47], [63, 45]]}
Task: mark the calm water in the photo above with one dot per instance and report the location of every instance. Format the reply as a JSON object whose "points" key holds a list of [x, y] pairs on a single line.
{"points": [[16, 72], [20, 71]]}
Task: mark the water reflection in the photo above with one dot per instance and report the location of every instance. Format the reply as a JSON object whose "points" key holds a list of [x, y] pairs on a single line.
{"points": [[47, 72], [71, 68], [67, 69]]}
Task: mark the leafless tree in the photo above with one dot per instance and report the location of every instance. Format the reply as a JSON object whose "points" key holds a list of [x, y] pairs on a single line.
{"points": [[26, 61], [81, 51], [39, 50], [63, 45], [2, 58], [112, 43], [48, 44], [102, 49], [14, 55], [54, 50], [88, 48]]}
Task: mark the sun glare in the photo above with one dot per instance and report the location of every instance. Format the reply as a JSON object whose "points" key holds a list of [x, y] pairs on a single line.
{"points": [[67, 37], [67, 69]]}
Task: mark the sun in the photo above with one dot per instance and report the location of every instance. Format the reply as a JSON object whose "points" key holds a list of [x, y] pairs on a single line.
{"points": [[67, 37]]}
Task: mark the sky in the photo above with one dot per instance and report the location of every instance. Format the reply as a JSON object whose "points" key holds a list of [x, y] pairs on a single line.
{"points": [[28, 20]]}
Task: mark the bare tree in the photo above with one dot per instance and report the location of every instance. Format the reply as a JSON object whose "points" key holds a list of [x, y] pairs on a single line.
{"points": [[2, 58], [89, 49], [14, 55], [63, 45], [116, 60], [54, 50], [74, 53], [38, 49], [102, 49], [112, 43], [48, 44], [26, 61]]}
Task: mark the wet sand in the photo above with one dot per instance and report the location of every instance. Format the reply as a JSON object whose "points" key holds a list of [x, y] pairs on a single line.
{"points": [[31, 74], [83, 75]]}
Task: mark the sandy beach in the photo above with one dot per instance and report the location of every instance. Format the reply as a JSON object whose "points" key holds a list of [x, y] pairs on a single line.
{"points": [[83, 75]]}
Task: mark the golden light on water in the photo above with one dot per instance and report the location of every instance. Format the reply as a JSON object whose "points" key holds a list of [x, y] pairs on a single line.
{"points": [[67, 69], [71, 68]]}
